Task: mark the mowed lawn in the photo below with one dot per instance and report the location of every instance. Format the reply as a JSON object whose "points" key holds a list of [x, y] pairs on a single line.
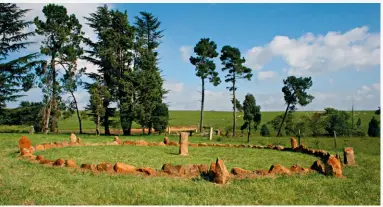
{"points": [[24, 183], [216, 119]]}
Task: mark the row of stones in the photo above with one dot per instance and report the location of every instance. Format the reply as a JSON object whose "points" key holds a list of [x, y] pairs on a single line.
{"points": [[332, 167]]}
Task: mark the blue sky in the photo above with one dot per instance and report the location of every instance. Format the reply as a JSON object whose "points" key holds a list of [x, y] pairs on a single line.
{"points": [[338, 45]]}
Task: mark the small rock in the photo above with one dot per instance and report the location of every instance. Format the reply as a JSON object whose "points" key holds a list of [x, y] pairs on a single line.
{"points": [[70, 164], [261, 172], [239, 171], [49, 162], [279, 169], [141, 143], [147, 170], [39, 147], [79, 141], [128, 142], [116, 139], [88, 166], [120, 167], [104, 166], [172, 143], [318, 166], [59, 162], [202, 145], [39, 157], [193, 145], [293, 143], [64, 144]]}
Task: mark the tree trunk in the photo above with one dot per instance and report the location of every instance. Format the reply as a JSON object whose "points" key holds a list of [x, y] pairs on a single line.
{"points": [[248, 132], [54, 95], [98, 126], [47, 115], [202, 105], [150, 129], [234, 99], [106, 118], [78, 113], [284, 117]]}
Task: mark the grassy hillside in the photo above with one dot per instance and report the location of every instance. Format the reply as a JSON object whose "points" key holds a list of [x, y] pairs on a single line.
{"points": [[216, 119]]}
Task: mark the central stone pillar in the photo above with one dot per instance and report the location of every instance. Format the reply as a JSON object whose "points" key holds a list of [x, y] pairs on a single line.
{"points": [[184, 143]]}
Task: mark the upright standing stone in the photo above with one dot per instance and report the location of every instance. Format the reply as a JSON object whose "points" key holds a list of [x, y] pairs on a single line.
{"points": [[221, 175], [73, 139], [24, 143], [32, 130], [211, 133], [293, 143], [348, 155], [166, 140], [184, 143], [333, 167]]}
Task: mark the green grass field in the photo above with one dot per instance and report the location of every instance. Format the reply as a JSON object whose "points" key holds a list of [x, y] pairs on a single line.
{"points": [[25, 183], [216, 119]]}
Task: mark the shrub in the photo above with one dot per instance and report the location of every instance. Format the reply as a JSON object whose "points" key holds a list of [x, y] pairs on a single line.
{"points": [[265, 131], [373, 128]]}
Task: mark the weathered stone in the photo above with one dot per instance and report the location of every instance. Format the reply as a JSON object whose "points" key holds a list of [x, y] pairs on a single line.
{"points": [[166, 140], [128, 142], [162, 144], [298, 169], [120, 167], [239, 171], [73, 139], [279, 169], [39, 157], [89, 166], [202, 145], [203, 168], [183, 149], [141, 143], [300, 148], [279, 147], [172, 143], [25, 151], [79, 140], [116, 139], [193, 145], [191, 170], [293, 143], [212, 169], [59, 162], [49, 162], [70, 164], [39, 147], [270, 146], [147, 170], [348, 156], [318, 166], [24, 143], [221, 175], [105, 167], [173, 169], [261, 172], [333, 167], [64, 144]]}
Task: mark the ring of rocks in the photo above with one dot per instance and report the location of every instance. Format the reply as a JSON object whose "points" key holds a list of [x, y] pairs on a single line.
{"points": [[217, 172]]}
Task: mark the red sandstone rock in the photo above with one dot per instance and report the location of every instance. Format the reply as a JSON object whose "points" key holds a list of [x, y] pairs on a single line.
{"points": [[39, 157], [221, 175], [46, 162], [298, 169], [279, 147], [147, 170], [24, 143], [293, 143], [88, 166], [120, 167], [193, 145], [279, 169], [39, 147], [172, 143], [240, 171], [79, 141], [300, 148], [183, 150], [70, 164], [128, 142], [333, 167], [172, 169], [166, 140], [59, 162], [261, 172], [105, 167], [73, 139], [348, 155], [64, 144], [318, 166], [47, 146], [202, 145], [25, 151], [141, 143]]}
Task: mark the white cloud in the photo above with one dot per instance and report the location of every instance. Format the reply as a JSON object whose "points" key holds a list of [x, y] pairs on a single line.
{"points": [[356, 49], [186, 52], [331, 81], [262, 75], [376, 86], [363, 90], [174, 87]]}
